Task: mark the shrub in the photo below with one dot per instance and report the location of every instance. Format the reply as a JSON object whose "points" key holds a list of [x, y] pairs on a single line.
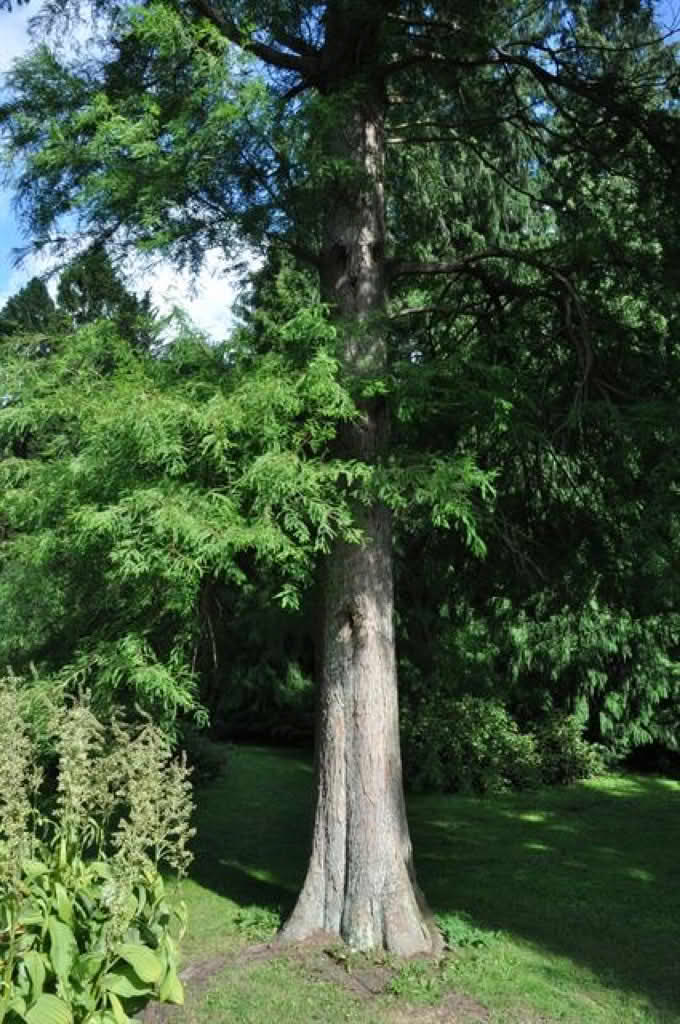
{"points": [[206, 758], [88, 930], [565, 755], [472, 744], [468, 744]]}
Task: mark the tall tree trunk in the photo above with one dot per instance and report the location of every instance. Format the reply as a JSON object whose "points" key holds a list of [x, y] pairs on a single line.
{"points": [[360, 882]]}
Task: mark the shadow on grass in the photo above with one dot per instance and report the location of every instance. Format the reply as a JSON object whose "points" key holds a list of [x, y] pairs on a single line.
{"points": [[253, 828], [589, 872]]}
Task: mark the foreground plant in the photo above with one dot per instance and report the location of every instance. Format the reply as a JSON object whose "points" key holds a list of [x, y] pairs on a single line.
{"points": [[88, 931]]}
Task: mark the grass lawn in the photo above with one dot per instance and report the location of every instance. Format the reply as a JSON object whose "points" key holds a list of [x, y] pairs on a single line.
{"points": [[562, 905]]}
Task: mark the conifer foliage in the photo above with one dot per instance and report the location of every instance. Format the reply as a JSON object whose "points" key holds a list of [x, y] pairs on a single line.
{"points": [[131, 481]]}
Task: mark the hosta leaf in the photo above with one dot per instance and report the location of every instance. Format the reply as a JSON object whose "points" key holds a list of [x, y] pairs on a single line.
{"points": [[31, 915], [172, 990], [87, 965], [63, 947], [25, 941], [64, 906], [141, 899], [143, 961], [124, 982], [18, 1005], [48, 1009], [22, 982], [119, 1013], [36, 971], [33, 868]]}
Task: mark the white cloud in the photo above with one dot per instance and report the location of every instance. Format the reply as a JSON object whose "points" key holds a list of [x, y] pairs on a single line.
{"points": [[207, 298]]}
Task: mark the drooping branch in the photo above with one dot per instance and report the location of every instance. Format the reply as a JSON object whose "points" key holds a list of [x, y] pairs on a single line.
{"points": [[406, 268], [470, 265], [431, 58], [430, 23], [298, 56], [540, 262], [660, 129]]}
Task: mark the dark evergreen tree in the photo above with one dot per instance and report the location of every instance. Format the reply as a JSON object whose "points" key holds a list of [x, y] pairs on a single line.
{"points": [[30, 311], [90, 289]]}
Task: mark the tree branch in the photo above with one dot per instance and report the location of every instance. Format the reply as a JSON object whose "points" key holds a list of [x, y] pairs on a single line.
{"points": [[431, 57], [436, 23], [303, 65], [301, 252], [403, 269], [295, 43], [660, 130]]}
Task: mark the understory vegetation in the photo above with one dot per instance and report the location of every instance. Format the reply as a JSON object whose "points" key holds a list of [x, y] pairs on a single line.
{"points": [[88, 927]]}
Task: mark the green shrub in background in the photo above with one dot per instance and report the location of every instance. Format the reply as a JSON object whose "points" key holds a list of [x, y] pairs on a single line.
{"points": [[205, 758], [472, 744], [468, 744], [88, 931], [565, 755]]}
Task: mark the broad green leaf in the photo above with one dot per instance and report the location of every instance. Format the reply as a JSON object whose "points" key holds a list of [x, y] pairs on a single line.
{"points": [[143, 961], [25, 941], [36, 971], [172, 990], [141, 899], [34, 868], [124, 982], [63, 947], [64, 905], [18, 1005], [22, 982], [87, 965], [48, 1009], [119, 1013], [31, 915]]}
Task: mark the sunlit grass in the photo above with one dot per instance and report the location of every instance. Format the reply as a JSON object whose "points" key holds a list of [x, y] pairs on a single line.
{"points": [[563, 904]]}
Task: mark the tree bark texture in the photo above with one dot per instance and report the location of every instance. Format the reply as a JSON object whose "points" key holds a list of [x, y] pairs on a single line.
{"points": [[360, 882]]}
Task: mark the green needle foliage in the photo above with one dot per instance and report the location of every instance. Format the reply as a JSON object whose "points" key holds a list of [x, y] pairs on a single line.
{"points": [[131, 481]]}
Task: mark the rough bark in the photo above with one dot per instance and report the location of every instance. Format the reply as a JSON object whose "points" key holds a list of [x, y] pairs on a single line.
{"points": [[360, 882]]}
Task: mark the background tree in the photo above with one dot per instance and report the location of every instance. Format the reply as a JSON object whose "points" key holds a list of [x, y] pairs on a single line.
{"points": [[206, 125], [31, 310], [90, 289]]}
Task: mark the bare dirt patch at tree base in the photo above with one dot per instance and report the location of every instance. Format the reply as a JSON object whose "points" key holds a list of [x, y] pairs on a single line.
{"points": [[324, 959], [455, 1008]]}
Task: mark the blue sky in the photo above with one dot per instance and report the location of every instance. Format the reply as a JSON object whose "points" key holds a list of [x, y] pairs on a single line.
{"points": [[208, 299], [13, 43]]}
